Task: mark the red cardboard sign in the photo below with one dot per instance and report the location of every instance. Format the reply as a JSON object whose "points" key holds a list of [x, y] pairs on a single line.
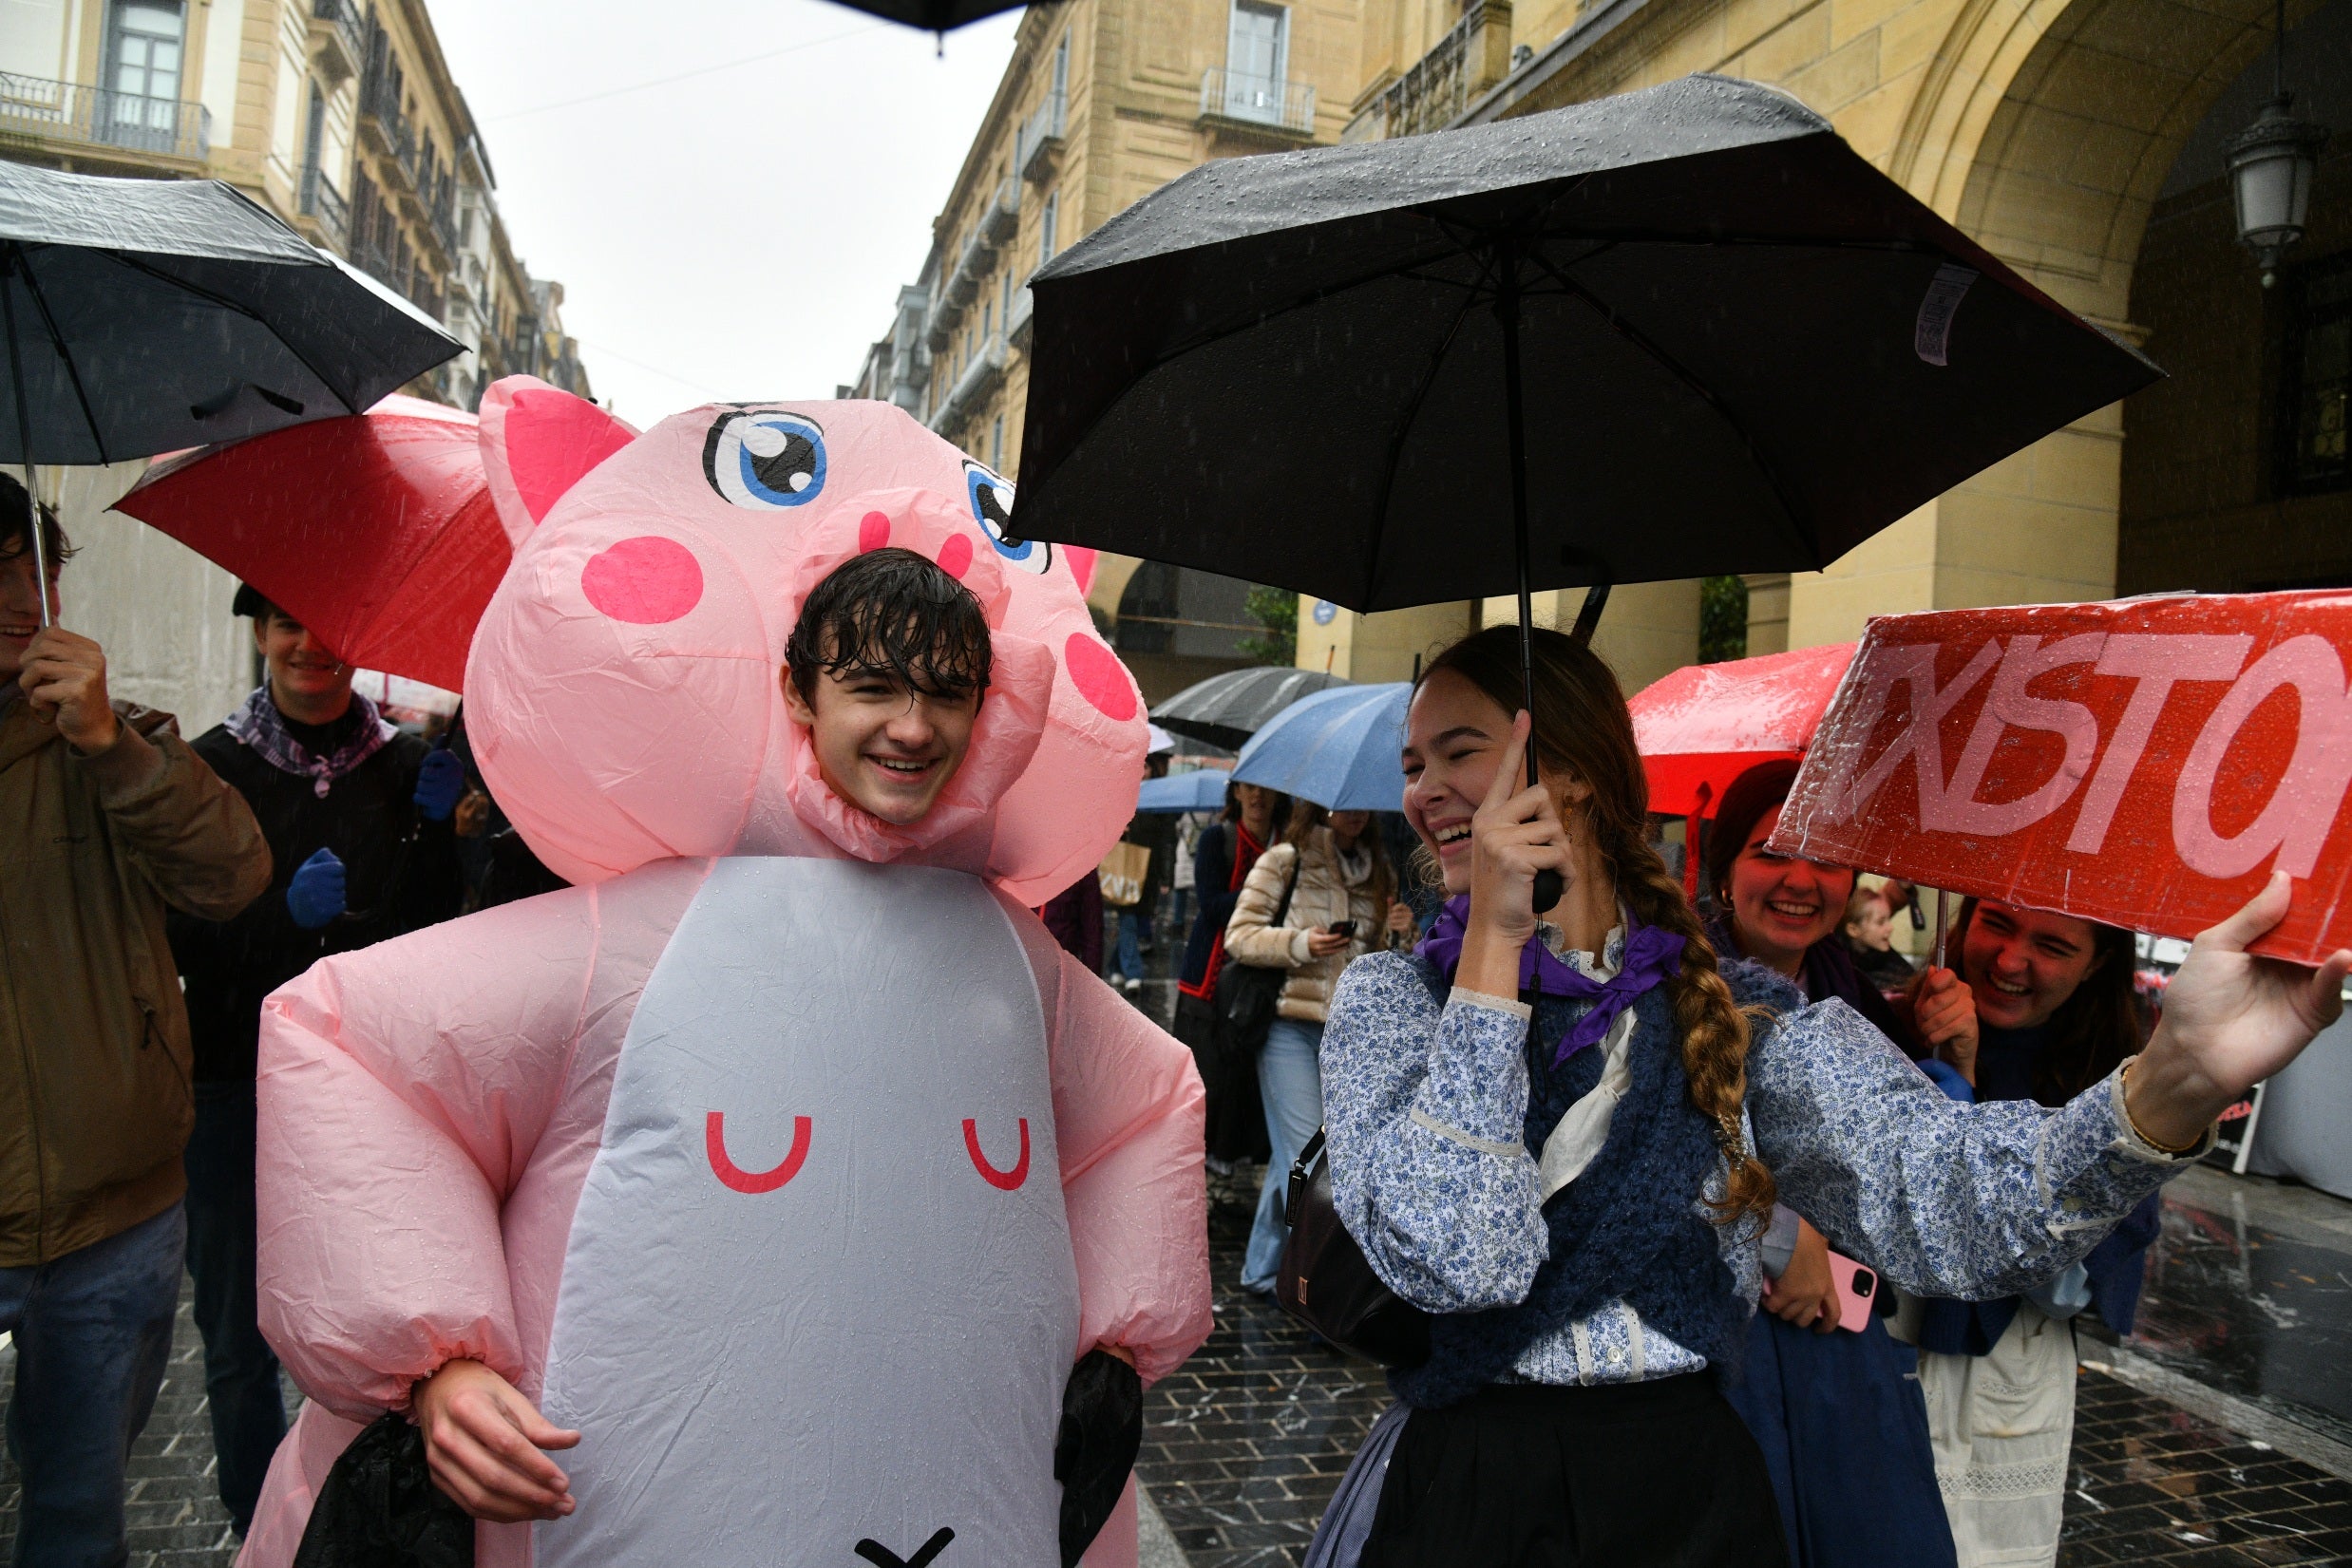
{"points": [[2145, 763]]}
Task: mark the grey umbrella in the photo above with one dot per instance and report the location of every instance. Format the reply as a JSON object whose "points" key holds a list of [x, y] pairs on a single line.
{"points": [[1225, 710], [146, 316]]}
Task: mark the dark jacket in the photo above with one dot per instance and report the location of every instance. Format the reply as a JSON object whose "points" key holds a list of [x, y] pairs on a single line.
{"points": [[400, 874], [94, 1100], [1075, 915], [1156, 832]]}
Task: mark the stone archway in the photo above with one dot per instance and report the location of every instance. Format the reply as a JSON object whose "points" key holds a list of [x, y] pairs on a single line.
{"points": [[2044, 128]]}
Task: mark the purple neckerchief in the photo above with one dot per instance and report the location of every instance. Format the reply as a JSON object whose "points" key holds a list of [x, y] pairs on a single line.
{"points": [[261, 725], [1650, 955]]}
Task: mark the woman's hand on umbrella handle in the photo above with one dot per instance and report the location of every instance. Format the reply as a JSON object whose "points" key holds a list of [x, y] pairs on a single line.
{"points": [[2230, 1020], [1515, 833]]}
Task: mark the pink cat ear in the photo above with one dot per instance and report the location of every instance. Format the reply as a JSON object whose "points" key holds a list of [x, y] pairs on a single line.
{"points": [[538, 441]]}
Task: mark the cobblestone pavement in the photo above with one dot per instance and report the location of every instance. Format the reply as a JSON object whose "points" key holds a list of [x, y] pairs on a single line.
{"points": [[1246, 1444]]}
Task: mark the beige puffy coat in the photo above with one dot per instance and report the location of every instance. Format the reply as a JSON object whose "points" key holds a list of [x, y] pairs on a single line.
{"points": [[1324, 896]]}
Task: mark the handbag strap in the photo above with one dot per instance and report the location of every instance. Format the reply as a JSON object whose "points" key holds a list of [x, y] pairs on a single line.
{"points": [[1301, 1171], [1282, 911]]}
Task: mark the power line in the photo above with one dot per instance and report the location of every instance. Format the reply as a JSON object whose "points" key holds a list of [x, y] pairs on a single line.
{"points": [[651, 369], [685, 76]]}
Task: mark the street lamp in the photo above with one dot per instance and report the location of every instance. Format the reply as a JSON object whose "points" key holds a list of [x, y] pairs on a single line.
{"points": [[2271, 165]]}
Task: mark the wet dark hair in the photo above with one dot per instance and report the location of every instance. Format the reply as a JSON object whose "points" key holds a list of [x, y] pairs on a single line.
{"points": [[891, 613], [2093, 1030], [16, 510]]}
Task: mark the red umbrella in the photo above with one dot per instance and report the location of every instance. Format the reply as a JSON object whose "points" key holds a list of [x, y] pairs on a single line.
{"points": [[376, 530], [1706, 724]]}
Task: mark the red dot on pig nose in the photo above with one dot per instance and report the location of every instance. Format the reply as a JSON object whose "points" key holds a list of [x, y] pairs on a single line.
{"points": [[1099, 676], [956, 556], [645, 581], [873, 532]]}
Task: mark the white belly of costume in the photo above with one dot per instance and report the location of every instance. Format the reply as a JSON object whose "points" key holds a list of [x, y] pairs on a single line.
{"points": [[819, 1287]]}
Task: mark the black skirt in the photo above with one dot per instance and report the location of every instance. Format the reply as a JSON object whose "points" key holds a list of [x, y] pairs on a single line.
{"points": [[1634, 1475]]}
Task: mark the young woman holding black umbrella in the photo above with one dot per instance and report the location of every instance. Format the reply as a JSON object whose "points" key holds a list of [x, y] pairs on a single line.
{"points": [[1571, 1185]]}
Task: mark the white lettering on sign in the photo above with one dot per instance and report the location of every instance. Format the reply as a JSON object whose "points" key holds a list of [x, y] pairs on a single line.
{"points": [[1922, 739], [2155, 662], [2006, 708], [2304, 803]]}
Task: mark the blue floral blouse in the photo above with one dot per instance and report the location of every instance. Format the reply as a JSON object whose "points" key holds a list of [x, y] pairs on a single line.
{"points": [[1425, 1109]]}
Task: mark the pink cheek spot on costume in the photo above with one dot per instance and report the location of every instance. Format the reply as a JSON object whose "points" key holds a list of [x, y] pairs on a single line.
{"points": [[735, 1178], [955, 557], [645, 581], [873, 531], [1100, 678], [1001, 1180]]}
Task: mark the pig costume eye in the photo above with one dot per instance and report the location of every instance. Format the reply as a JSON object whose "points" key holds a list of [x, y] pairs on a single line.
{"points": [[992, 508], [765, 459]]}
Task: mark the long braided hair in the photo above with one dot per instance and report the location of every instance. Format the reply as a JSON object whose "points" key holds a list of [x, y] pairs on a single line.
{"points": [[1582, 729]]}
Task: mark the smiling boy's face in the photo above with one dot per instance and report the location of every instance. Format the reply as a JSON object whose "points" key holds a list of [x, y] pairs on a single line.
{"points": [[881, 744]]}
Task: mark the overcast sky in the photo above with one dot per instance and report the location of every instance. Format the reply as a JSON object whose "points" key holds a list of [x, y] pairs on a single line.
{"points": [[741, 233]]}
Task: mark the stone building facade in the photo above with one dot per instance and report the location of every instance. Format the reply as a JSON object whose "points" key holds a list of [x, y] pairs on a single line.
{"points": [[342, 119], [1104, 101], [2080, 140]]}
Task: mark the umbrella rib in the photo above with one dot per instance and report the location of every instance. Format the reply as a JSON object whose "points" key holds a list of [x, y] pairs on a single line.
{"points": [[1404, 429], [64, 355], [247, 312], [1705, 394]]}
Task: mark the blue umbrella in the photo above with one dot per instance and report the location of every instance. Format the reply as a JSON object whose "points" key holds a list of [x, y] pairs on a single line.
{"points": [[1338, 748], [1202, 789]]}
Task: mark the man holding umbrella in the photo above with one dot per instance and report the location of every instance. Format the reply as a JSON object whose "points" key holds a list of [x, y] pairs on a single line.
{"points": [[111, 817], [358, 818]]}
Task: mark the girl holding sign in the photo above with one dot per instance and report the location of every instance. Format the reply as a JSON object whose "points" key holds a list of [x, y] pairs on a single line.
{"points": [[1561, 1136]]}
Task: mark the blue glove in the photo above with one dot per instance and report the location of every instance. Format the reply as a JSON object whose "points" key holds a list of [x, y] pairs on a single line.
{"points": [[438, 782], [316, 895]]}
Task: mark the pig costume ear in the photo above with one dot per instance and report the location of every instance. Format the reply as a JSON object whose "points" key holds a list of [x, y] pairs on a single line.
{"points": [[538, 441]]}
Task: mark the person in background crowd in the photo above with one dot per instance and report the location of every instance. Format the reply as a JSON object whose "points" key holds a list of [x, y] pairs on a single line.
{"points": [[1075, 915], [357, 816], [1222, 858], [1837, 1413], [1180, 873], [110, 818], [1570, 1187], [1156, 832], [1870, 940], [1341, 892], [2056, 1014], [1418, 882], [498, 866]]}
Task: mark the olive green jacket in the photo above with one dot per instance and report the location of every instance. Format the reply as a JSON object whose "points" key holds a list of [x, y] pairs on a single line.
{"points": [[95, 1105]]}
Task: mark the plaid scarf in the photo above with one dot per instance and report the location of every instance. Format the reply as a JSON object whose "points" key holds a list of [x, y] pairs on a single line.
{"points": [[261, 725]]}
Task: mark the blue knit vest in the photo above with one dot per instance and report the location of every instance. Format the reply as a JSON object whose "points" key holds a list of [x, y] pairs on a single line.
{"points": [[1630, 1227]]}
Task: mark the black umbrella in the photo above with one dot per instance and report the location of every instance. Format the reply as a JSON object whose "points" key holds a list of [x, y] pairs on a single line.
{"points": [[931, 16], [146, 316], [1225, 710], [1677, 332]]}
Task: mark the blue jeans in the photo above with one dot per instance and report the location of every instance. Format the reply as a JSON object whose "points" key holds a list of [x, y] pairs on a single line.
{"points": [[92, 1330], [1290, 1080], [1130, 961], [240, 1371]]}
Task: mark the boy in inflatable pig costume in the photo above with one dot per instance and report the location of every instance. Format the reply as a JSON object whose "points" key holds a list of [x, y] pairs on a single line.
{"points": [[777, 1175]]}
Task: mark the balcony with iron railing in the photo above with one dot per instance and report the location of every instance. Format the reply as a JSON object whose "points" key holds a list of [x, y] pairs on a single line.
{"points": [[324, 204], [1473, 56], [339, 38], [1018, 315], [1004, 218], [1257, 103], [1039, 144], [69, 114], [975, 382]]}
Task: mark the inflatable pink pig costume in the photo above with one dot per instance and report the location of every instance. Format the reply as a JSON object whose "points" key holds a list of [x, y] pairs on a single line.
{"points": [[787, 1156]]}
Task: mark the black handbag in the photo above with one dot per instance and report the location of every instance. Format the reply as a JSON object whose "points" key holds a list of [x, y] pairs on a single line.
{"points": [[1325, 1283], [1246, 994]]}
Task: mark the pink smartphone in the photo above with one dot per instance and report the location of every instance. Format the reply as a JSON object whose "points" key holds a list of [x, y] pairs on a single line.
{"points": [[1857, 1286]]}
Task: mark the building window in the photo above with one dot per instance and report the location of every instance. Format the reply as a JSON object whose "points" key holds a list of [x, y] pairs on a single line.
{"points": [[1257, 48], [996, 445], [1047, 222], [2319, 376], [143, 72], [1061, 66], [987, 318]]}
